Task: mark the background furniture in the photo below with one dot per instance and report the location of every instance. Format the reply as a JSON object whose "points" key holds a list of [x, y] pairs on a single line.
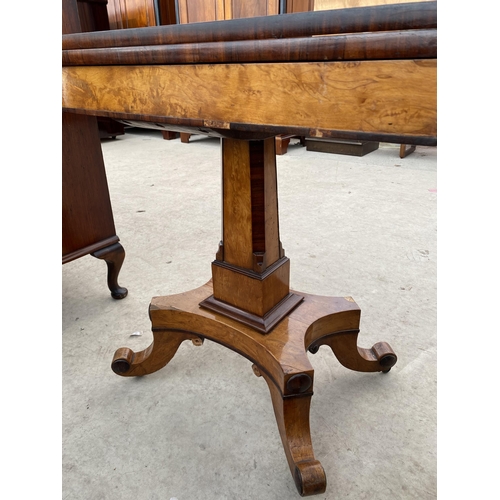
{"points": [[339, 147], [87, 217], [141, 13]]}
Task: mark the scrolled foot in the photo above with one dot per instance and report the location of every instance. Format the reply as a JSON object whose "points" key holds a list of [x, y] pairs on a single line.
{"points": [[292, 417], [310, 478], [379, 358], [128, 363], [122, 360], [385, 356]]}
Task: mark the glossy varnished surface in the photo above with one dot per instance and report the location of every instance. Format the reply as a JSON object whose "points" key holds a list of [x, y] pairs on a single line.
{"points": [[281, 354], [87, 218], [279, 357], [373, 79], [407, 16], [388, 97], [250, 272], [410, 44]]}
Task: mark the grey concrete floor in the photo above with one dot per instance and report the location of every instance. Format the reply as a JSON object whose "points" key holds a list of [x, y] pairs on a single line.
{"points": [[203, 427]]}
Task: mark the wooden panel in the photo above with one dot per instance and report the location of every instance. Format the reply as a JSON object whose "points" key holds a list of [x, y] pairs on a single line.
{"points": [[166, 9], [87, 218], [93, 15], [237, 9], [293, 6], [131, 13], [393, 97], [196, 11], [70, 17]]}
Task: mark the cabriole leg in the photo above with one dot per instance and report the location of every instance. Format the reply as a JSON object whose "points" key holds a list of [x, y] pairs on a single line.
{"points": [[114, 256]]}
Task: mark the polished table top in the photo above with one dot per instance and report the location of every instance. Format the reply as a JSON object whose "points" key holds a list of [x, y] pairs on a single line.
{"points": [[261, 77]]}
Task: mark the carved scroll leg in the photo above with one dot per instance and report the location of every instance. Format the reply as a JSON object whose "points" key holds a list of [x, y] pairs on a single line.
{"points": [[114, 256], [292, 416], [380, 358], [128, 363]]}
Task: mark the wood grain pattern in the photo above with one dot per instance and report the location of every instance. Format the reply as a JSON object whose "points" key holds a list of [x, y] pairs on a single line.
{"points": [[410, 44], [124, 14], [167, 12], [280, 358], [292, 417], [391, 97], [237, 9], [87, 217], [250, 203], [250, 273], [195, 11], [93, 15], [272, 244], [303, 24], [70, 18], [293, 6], [281, 354], [237, 205], [251, 292]]}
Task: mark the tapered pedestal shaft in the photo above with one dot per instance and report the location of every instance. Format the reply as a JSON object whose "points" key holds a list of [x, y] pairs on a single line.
{"points": [[251, 275]]}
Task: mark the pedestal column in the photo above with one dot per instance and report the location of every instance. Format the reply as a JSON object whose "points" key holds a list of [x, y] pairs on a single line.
{"points": [[251, 275]]}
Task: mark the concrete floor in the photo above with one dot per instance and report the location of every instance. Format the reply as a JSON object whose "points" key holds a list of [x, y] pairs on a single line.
{"points": [[203, 427]]}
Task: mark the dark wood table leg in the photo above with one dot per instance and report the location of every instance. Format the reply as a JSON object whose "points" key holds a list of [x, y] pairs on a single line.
{"points": [[249, 308], [113, 255], [87, 216]]}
